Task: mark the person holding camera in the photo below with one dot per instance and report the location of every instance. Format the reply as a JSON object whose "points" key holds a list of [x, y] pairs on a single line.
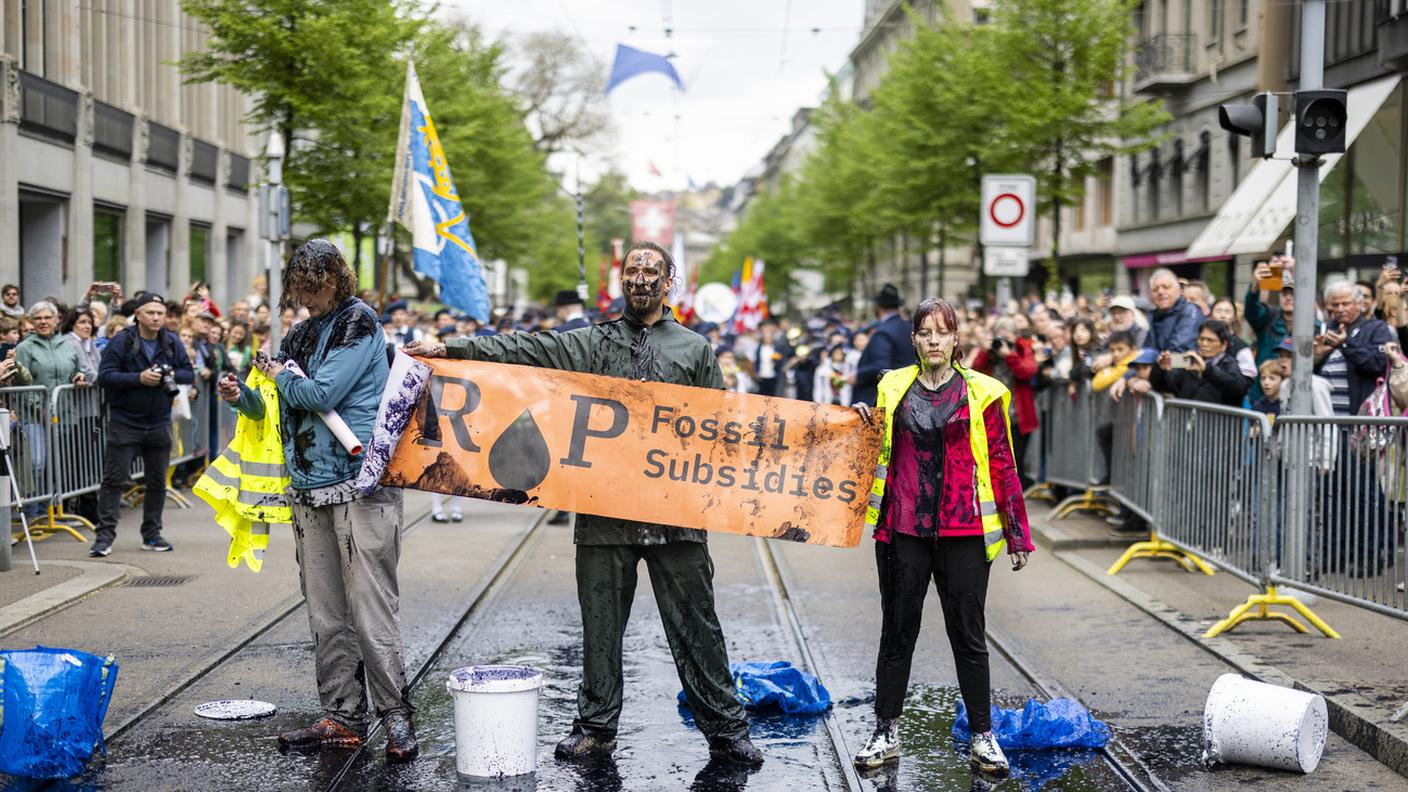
{"points": [[140, 369]]}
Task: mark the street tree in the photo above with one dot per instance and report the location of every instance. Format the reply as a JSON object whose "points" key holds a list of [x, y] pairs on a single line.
{"points": [[321, 76], [1068, 59], [562, 87]]}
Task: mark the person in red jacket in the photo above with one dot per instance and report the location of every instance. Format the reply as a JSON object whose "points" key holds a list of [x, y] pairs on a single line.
{"points": [[1009, 358]]}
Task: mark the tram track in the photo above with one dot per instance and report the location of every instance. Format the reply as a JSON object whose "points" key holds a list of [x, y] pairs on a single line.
{"points": [[1122, 760], [475, 607], [207, 665]]}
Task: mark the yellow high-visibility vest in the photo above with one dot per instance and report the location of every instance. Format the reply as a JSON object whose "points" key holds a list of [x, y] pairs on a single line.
{"points": [[982, 391], [247, 484]]}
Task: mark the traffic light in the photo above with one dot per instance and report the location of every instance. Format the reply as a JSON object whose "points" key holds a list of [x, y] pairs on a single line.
{"points": [[1320, 121], [1257, 120]]}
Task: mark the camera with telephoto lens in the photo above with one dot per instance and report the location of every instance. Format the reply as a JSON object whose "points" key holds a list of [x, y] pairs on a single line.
{"points": [[168, 379]]}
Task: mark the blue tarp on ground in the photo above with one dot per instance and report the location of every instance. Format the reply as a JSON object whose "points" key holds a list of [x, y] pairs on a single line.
{"points": [[54, 702], [776, 687], [1059, 723]]}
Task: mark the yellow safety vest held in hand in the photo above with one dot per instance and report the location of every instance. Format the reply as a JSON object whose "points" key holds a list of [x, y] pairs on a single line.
{"points": [[982, 391], [247, 484]]}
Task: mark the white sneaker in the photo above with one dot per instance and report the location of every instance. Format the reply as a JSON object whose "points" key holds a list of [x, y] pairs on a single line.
{"points": [[883, 746], [456, 516], [439, 517], [987, 756]]}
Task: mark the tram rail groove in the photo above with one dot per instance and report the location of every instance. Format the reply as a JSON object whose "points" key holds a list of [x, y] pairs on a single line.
{"points": [[1119, 756], [505, 567], [780, 586], [215, 659]]}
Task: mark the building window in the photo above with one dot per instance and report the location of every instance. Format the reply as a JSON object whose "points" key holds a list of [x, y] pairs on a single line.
{"points": [[1202, 184], [1154, 173], [1104, 190], [107, 245], [1175, 167], [1243, 11], [1079, 210], [1215, 13], [200, 252], [1234, 159]]}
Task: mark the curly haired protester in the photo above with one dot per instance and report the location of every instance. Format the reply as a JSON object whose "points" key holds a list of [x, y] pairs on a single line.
{"points": [[945, 500], [348, 544]]}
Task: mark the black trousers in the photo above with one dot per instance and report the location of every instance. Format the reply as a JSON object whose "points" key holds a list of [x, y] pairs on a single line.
{"points": [[959, 570], [682, 576], [124, 442]]}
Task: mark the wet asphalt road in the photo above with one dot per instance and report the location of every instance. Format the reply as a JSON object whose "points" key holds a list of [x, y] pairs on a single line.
{"points": [[1146, 681]]}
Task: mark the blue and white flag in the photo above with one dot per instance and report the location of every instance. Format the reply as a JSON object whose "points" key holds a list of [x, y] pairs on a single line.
{"points": [[631, 62], [424, 202]]}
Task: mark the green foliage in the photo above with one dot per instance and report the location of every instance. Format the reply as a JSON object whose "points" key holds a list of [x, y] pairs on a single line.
{"points": [[1036, 90], [329, 77]]}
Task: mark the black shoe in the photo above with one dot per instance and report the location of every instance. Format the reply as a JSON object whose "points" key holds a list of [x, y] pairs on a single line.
{"points": [[579, 744], [401, 744], [157, 545], [737, 749], [102, 546], [561, 518]]}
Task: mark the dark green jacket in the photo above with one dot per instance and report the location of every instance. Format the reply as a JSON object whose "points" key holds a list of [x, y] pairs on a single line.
{"points": [[662, 352]]}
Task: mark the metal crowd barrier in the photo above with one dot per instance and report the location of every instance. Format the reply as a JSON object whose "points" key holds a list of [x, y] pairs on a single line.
{"points": [[1072, 460], [1345, 488], [59, 445], [1314, 504]]}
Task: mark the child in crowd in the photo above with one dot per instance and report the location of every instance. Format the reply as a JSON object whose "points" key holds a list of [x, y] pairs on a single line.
{"points": [[1272, 374], [1122, 354]]}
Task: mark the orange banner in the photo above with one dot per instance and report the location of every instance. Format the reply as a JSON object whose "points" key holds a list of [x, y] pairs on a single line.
{"points": [[647, 451]]}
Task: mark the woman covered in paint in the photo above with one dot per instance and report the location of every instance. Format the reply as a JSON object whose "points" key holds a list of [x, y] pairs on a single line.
{"points": [[946, 499]]}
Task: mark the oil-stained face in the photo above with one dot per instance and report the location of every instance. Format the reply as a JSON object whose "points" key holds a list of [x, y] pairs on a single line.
{"points": [[645, 281]]}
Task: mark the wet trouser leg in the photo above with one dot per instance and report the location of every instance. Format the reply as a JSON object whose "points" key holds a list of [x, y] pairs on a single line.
{"points": [[347, 556], [959, 570], [606, 584], [682, 575], [961, 577]]}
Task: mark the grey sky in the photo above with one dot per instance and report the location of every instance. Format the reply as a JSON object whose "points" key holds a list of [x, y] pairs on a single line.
{"points": [[747, 65]]}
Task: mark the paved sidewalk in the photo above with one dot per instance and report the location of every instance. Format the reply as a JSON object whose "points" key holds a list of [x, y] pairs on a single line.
{"points": [[1359, 675]]}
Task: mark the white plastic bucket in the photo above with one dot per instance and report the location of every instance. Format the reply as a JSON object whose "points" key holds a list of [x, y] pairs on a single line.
{"points": [[1253, 723], [496, 719]]}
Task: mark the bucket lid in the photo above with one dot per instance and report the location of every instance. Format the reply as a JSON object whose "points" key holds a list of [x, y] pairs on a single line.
{"points": [[236, 709], [494, 679]]}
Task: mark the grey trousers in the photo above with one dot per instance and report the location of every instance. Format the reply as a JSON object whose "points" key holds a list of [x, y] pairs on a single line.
{"points": [[347, 556]]}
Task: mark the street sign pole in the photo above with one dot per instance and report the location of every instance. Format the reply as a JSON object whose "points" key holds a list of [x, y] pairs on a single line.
{"points": [[1298, 507], [275, 227], [1006, 229]]}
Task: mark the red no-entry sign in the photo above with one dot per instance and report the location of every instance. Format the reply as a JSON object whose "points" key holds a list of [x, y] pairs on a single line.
{"points": [[1006, 219]]}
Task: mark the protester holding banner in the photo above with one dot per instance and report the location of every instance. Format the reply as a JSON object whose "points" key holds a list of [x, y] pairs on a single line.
{"points": [[348, 544], [945, 498], [645, 344]]}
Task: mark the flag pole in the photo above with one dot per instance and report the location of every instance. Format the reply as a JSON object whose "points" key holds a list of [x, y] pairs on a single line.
{"points": [[388, 244]]}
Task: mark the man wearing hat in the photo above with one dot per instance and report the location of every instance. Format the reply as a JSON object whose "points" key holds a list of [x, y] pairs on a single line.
{"points": [[138, 367], [889, 348], [402, 331], [570, 315]]}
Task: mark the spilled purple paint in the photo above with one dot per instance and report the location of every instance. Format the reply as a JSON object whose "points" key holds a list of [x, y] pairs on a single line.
{"points": [[398, 403]]}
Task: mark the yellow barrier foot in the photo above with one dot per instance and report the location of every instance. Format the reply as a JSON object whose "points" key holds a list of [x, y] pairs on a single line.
{"points": [[1040, 491], [1262, 604], [1158, 548], [1090, 500]]}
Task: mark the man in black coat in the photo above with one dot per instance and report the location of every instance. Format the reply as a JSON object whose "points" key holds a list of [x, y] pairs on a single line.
{"points": [[890, 346], [570, 315]]}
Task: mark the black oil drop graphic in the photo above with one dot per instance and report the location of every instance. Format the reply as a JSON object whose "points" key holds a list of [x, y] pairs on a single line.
{"points": [[519, 459]]}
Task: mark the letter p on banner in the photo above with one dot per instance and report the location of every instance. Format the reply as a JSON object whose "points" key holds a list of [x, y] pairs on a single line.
{"points": [[607, 446]]}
